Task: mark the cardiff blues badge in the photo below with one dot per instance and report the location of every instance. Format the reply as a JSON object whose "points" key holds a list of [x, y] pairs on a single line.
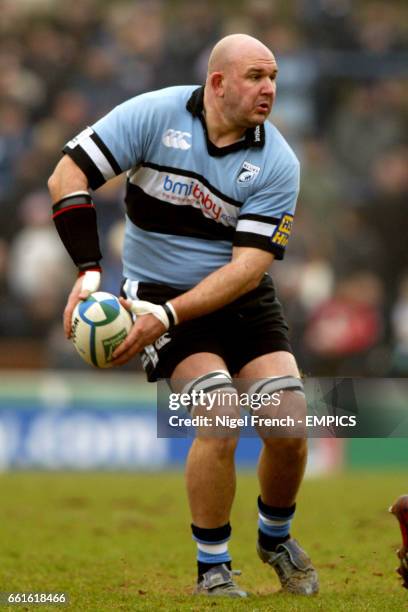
{"points": [[248, 173]]}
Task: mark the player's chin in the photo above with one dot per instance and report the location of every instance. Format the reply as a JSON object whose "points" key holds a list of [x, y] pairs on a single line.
{"points": [[262, 114], [259, 117]]}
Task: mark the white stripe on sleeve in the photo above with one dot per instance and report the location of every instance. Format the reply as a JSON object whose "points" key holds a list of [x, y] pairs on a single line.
{"points": [[255, 227], [98, 158]]}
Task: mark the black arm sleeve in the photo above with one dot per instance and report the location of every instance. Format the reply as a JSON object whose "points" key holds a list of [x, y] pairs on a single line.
{"points": [[75, 219]]}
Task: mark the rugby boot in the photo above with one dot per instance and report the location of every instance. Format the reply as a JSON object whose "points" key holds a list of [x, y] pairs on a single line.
{"points": [[218, 582], [293, 566], [400, 511]]}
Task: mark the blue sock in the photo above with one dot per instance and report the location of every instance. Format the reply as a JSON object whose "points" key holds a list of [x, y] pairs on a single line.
{"points": [[212, 547], [273, 524]]}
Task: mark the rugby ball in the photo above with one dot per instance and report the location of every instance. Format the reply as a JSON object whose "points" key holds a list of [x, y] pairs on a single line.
{"points": [[99, 325]]}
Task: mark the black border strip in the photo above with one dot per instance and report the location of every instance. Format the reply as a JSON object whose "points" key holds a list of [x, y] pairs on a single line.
{"points": [[154, 215], [247, 239]]}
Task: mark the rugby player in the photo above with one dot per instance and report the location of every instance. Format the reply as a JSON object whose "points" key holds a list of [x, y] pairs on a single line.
{"points": [[211, 193]]}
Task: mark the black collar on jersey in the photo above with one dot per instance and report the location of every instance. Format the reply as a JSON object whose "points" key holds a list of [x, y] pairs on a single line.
{"points": [[254, 137]]}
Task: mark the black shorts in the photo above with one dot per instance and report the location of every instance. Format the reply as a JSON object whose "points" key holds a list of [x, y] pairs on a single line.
{"points": [[251, 326]]}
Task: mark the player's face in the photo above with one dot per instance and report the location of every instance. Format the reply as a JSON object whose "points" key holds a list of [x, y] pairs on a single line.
{"points": [[250, 90]]}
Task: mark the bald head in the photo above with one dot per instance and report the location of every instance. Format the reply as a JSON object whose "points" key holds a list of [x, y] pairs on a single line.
{"points": [[233, 48], [240, 87]]}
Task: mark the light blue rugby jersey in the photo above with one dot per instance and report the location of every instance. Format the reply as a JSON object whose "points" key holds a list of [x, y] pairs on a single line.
{"points": [[188, 201]]}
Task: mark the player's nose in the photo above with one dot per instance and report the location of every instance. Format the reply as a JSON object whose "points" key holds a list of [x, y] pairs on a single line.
{"points": [[268, 87]]}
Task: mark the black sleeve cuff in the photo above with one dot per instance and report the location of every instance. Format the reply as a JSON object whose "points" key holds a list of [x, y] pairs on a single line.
{"points": [[247, 239], [94, 176]]}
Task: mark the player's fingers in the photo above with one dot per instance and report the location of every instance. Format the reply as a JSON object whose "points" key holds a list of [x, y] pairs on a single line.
{"points": [[115, 363], [84, 295], [129, 343], [122, 348], [126, 303], [126, 355], [73, 300], [68, 320]]}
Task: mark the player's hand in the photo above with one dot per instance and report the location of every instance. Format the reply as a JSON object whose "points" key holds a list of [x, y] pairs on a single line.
{"points": [[146, 329], [83, 287]]}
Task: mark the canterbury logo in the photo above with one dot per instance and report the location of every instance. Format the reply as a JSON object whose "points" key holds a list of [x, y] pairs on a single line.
{"points": [[176, 139]]}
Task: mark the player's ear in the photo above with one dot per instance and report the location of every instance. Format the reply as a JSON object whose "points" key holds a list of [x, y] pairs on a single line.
{"points": [[217, 83]]}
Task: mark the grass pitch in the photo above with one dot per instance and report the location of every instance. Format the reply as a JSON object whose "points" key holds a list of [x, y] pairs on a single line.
{"points": [[122, 542]]}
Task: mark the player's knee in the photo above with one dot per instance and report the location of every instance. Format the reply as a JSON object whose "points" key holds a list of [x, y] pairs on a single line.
{"points": [[224, 448], [294, 449], [220, 448]]}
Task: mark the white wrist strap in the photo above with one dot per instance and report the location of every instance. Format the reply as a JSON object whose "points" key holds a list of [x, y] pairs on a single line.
{"points": [[91, 281], [173, 312], [140, 307]]}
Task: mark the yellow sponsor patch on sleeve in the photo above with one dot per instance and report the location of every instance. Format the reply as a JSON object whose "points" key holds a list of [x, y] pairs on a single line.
{"points": [[281, 234]]}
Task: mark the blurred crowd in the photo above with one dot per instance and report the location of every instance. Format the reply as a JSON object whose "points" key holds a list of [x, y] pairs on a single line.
{"points": [[342, 104]]}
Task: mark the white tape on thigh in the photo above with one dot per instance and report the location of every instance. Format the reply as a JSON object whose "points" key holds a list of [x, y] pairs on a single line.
{"points": [[209, 382], [273, 384]]}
